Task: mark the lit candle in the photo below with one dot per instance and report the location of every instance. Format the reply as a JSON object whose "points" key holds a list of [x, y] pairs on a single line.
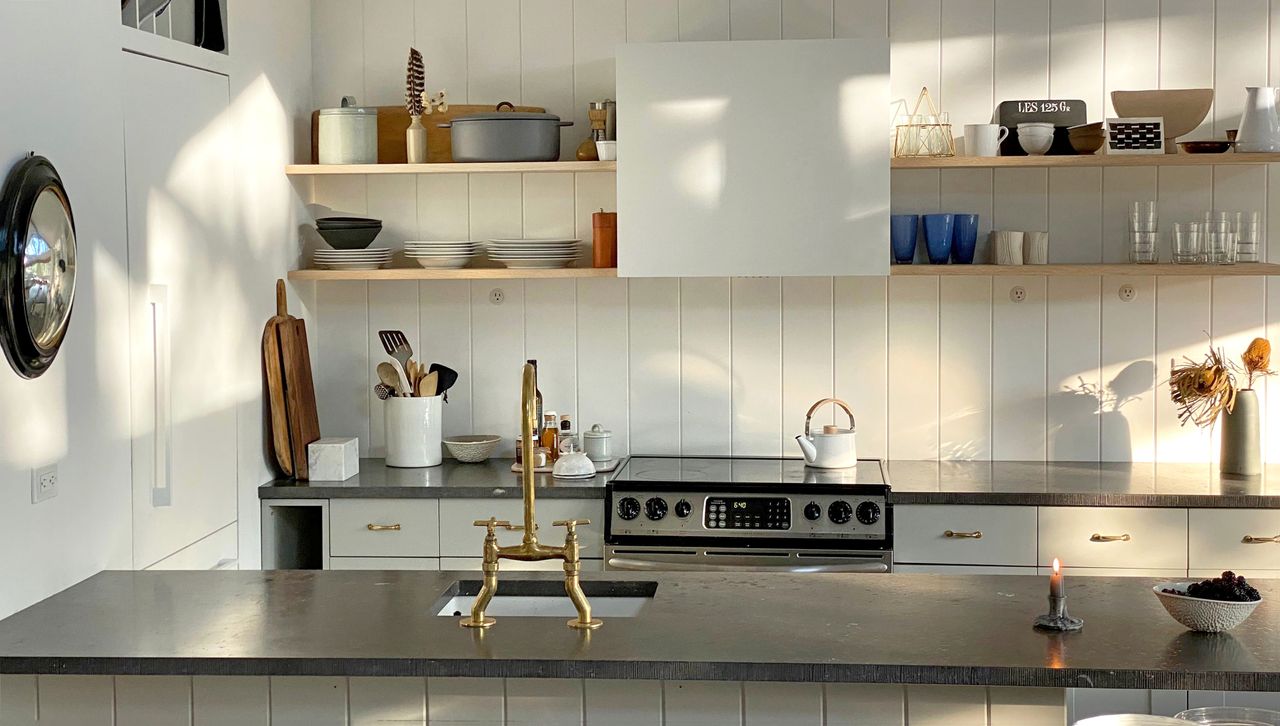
{"points": [[1055, 580]]}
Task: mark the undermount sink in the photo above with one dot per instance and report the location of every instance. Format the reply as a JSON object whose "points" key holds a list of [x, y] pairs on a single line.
{"points": [[547, 599]]}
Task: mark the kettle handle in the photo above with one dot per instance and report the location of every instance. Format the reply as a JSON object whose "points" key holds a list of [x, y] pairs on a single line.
{"points": [[853, 426]]}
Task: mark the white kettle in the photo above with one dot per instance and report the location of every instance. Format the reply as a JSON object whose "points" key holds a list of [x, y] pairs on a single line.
{"points": [[834, 448]]}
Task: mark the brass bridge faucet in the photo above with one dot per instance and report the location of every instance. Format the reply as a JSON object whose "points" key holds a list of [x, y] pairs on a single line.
{"points": [[530, 550]]}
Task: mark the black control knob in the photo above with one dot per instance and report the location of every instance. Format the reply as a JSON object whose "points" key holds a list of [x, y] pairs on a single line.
{"points": [[868, 513], [812, 511], [683, 508], [628, 508], [655, 508], [840, 511]]}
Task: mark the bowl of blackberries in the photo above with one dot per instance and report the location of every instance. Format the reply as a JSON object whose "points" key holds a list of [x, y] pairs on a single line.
{"points": [[1209, 606]]}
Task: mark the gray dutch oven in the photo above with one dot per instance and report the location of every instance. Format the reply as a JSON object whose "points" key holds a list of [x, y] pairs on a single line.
{"points": [[506, 135]]}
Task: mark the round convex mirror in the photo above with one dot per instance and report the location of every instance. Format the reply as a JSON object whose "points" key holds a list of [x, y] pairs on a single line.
{"points": [[37, 266]]}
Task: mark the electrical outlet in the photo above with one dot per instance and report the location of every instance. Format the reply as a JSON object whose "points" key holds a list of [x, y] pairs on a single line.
{"points": [[1018, 293], [44, 483], [497, 296], [1127, 293]]}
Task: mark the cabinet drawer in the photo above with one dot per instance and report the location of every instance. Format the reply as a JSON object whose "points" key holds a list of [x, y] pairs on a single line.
{"points": [[384, 528], [1218, 539], [1007, 535], [384, 563], [1122, 537], [459, 537]]}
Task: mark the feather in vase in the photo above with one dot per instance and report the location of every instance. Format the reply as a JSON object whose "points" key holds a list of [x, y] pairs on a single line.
{"points": [[415, 83]]}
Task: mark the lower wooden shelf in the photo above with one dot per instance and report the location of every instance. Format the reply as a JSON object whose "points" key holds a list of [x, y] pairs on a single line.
{"points": [[1087, 270], [469, 273]]}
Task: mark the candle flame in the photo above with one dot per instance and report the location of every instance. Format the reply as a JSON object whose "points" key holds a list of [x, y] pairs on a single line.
{"points": [[1056, 566]]}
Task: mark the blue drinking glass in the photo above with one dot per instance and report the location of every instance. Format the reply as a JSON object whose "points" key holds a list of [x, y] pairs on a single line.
{"points": [[965, 240], [902, 233], [938, 231]]}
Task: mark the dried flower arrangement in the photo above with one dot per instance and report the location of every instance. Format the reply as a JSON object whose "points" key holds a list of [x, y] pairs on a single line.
{"points": [[1204, 390], [415, 83]]}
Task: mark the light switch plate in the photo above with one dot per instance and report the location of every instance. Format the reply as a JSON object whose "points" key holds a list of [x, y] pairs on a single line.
{"points": [[44, 483]]}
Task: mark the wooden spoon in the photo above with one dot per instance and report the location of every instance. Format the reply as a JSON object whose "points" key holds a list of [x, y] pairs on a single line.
{"points": [[389, 377], [427, 385]]}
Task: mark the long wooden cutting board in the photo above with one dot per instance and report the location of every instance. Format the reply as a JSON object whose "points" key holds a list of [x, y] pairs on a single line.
{"points": [[393, 121], [291, 392]]}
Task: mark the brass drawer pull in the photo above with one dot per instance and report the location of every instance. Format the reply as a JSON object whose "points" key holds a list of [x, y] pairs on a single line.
{"points": [[1109, 537], [384, 528], [1250, 539], [977, 534]]}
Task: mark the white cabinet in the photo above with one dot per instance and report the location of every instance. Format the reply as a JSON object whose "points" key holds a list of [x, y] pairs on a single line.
{"points": [[965, 535], [753, 158], [185, 328], [384, 563], [384, 528], [459, 537], [1243, 540], [474, 563], [1115, 537]]}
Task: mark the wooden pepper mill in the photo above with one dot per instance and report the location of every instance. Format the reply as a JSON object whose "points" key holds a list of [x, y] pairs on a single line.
{"points": [[604, 239], [599, 116]]}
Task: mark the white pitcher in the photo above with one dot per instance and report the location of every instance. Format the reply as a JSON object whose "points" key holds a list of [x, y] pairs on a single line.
{"points": [[1260, 123]]}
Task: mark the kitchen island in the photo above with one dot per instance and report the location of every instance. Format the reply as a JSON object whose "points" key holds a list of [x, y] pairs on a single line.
{"points": [[794, 647]]}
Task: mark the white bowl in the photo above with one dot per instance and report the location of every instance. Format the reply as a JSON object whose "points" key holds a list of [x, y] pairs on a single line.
{"points": [[607, 150], [1035, 144], [1199, 614], [472, 449], [442, 263]]}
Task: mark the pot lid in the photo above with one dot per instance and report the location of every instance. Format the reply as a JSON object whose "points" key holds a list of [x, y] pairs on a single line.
{"points": [[508, 116]]}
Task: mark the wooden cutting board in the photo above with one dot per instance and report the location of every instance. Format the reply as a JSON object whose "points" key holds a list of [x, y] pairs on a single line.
{"points": [[393, 121], [291, 392]]}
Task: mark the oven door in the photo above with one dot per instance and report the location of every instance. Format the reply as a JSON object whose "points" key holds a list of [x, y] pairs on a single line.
{"points": [[675, 559]]}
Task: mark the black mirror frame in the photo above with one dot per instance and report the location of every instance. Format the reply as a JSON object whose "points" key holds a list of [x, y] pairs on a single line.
{"points": [[23, 186]]}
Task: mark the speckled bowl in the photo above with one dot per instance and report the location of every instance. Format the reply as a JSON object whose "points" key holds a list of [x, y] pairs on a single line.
{"points": [[472, 449], [1199, 614]]}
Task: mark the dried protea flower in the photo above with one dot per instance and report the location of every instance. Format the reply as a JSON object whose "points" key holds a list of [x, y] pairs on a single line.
{"points": [[1202, 391], [1257, 359]]}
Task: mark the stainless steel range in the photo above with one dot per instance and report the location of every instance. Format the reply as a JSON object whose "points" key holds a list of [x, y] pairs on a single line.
{"points": [[739, 514]]}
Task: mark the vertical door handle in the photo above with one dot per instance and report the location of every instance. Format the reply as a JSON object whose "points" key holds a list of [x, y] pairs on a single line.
{"points": [[162, 461]]}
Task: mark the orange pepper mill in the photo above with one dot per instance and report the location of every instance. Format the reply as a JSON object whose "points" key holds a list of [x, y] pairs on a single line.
{"points": [[604, 239]]}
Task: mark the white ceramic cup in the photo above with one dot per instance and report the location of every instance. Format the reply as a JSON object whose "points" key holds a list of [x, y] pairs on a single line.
{"points": [[984, 139], [1035, 248], [1007, 247], [413, 429]]}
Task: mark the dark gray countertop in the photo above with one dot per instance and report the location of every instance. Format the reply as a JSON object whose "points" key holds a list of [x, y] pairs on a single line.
{"points": [[936, 629], [1065, 484]]}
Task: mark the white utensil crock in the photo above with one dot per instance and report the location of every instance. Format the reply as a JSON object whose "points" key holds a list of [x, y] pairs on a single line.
{"points": [[1260, 123], [413, 427]]}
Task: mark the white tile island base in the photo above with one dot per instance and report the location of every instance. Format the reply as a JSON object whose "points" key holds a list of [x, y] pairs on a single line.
{"points": [[314, 701]]}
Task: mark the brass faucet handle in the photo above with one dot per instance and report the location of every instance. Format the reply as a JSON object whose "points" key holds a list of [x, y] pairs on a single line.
{"points": [[493, 523], [570, 524]]}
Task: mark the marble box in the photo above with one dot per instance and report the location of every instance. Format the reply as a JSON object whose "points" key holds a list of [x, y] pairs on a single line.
{"points": [[333, 459]]}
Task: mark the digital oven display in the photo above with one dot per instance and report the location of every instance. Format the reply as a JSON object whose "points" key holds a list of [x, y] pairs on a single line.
{"points": [[748, 513]]}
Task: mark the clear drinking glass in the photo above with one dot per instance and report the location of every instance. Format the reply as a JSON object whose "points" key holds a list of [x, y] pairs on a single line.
{"points": [[1220, 243], [1142, 217], [1142, 247], [1187, 243], [1248, 230]]}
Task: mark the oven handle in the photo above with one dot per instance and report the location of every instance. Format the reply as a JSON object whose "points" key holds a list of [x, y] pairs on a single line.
{"points": [[620, 563]]}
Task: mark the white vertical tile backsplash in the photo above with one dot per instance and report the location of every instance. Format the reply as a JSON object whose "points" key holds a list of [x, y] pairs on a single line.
{"points": [[933, 367]]}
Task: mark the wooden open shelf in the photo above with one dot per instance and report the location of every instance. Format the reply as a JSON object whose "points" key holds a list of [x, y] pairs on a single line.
{"points": [[468, 273], [452, 168], [1082, 160], [1122, 269]]}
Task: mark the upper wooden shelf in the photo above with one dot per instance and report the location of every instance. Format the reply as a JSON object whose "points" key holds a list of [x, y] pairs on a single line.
{"points": [[453, 168], [1082, 160], [466, 273], [1121, 269]]}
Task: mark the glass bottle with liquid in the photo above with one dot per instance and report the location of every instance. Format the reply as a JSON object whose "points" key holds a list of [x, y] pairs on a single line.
{"points": [[551, 435]]}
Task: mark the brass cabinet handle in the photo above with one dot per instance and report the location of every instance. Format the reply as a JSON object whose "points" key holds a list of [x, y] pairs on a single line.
{"points": [[977, 534], [1250, 539], [1109, 537], [384, 527]]}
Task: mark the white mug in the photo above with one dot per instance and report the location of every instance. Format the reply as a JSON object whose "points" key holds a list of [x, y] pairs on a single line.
{"points": [[984, 139]]}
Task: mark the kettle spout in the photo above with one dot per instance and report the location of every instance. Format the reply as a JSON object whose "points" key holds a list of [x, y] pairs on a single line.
{"points": [[808, 449]]}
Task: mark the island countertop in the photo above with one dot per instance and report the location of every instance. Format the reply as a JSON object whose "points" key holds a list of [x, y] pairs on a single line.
{"points": [[1063, 484], [917, 629]]}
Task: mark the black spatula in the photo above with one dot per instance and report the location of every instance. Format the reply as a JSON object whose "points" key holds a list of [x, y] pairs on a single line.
{"points": [[447, 377]]}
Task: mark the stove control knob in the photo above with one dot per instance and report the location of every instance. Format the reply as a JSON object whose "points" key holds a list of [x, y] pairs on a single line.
{"points": [[628, 508], [868, 513], [812, 511], [840, 511], [655, 508], [683, 508]]}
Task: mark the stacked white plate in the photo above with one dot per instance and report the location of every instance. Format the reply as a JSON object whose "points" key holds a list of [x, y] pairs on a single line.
{"points": [[442, 255], [534, 253], [368, 259]]}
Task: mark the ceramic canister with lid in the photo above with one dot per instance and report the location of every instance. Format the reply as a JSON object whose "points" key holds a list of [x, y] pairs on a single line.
{"points": [[598, 443], [348, 134]]}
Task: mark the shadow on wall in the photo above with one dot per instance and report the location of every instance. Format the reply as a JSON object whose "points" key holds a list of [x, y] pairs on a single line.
{"points": [[1083, 402]]}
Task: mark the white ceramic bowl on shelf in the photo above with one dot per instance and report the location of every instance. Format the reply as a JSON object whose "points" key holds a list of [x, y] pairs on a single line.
{"points": [[1200, 614], [472, 449]]}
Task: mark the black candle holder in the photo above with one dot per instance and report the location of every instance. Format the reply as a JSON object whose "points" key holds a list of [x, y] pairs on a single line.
{"points": [[1057, 617]]}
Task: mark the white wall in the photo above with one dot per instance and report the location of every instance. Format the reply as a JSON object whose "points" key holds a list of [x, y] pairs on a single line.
{"points": [[63, 84], [934, 367]]}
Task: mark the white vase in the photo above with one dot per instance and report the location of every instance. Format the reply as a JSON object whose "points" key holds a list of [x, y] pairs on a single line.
{"points": [[1260, 123], [413, 427], [1035, 248], [415, 141]]}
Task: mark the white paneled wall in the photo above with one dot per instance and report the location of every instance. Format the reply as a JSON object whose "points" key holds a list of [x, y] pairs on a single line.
{"points": [[935, 368]]}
